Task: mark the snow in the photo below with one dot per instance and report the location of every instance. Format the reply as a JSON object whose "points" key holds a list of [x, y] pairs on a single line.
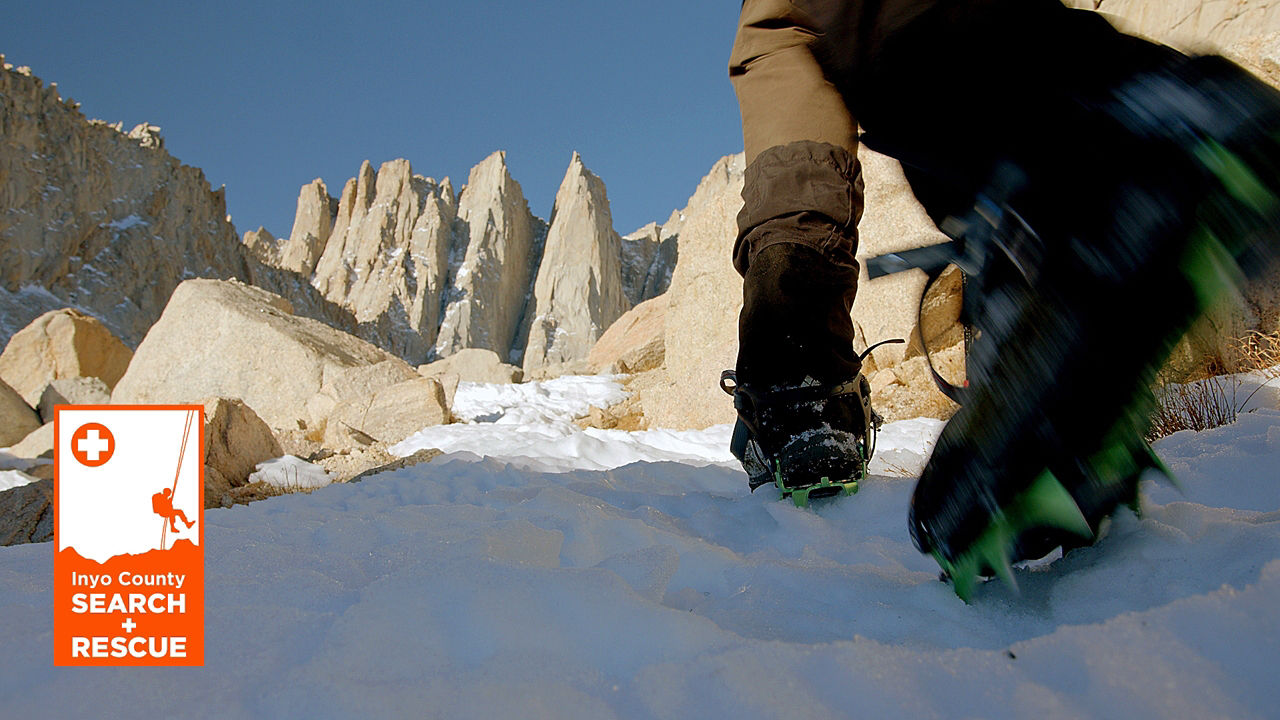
{"points": [[291, 473], [485, 587], [531, 425], [127, 222], [10, 479]]}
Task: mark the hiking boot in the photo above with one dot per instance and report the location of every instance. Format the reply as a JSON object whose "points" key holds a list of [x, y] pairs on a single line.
{"points": [[1080, 304], [805, 422]]}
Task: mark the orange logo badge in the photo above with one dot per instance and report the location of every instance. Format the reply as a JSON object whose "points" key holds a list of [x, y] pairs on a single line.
{"points": [[129, 531]]}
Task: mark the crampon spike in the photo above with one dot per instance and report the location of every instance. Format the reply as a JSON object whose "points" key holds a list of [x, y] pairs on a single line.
{"points": [[1151, 461], [1045, 504]]}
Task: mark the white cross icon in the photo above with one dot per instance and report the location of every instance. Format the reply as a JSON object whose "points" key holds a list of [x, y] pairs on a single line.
{"points": [[128, 625], [92, 445]]}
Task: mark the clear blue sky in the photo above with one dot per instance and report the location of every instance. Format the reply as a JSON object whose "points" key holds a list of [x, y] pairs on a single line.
{"points": [[264, 96]]}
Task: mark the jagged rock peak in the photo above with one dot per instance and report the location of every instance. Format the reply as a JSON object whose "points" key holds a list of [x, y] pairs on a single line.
{"points": [[386, 257], [498, 243], [312, 225], [262, 245], [579, 290]]}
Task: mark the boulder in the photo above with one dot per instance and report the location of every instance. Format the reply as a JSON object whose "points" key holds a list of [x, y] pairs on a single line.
{"points": [[235, 441], [226, 339], [634, 343], [61, 344], [474, 365], [1190, 24], [579, 291], [354, 386], [26, 513], [17, 419], [388, 415], [449, 383], [73, 391], [560, 369], [907, 389], [37, 444]]}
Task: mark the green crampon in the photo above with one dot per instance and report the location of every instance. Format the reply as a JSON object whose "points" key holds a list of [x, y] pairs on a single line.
{"points": [[1210, 265], [821, 489], [1045, 504]]}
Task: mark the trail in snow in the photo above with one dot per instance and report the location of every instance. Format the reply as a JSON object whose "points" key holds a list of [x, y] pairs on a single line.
{"points": [[481, 588]]}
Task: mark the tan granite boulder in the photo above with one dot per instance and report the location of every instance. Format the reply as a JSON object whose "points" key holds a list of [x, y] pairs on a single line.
{"points": [[235, 441], [226, 339], [474, 365], [61, 344], [634, 342], [37, 444], [388, 415]]}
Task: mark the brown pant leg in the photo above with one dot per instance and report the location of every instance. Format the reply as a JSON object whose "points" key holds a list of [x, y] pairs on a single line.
{"points": [[803, 183], [802, 191], [782, 92]]}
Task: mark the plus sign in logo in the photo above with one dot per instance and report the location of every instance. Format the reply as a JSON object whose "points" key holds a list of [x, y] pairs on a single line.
{"points": [[92, 444]]}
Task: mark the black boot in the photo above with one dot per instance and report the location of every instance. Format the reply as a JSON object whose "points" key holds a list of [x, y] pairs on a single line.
{"points": [[804, 413], [1081, 305]]}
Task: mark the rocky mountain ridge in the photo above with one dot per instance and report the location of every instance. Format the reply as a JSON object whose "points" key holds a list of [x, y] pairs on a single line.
{"points": [[442, 270], [108, 222]]}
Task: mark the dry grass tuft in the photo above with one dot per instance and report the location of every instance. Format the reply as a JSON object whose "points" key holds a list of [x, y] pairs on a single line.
{"points": [[1215, 401]]}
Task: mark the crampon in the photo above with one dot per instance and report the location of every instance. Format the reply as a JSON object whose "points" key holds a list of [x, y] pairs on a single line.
{"points": [[809, 442], [1077, 302]]}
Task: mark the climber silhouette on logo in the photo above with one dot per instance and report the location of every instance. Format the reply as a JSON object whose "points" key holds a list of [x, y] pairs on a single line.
{"points": [[162, 505]]}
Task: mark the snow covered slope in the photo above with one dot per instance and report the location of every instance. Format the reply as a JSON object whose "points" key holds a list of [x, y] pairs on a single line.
{"points": [[478, 588]]}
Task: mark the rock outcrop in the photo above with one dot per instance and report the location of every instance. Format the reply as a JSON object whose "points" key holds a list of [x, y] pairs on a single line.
{"points": [[579, 292], [701, 332], [648, 258], [262, 246], [96, 219], [226, 339], [425, 272], [61, 344], [26, 513], [500, 243], [235, 441], [17, 418], [474, 365], [635, 342], [312, 225], [386, 257]]}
